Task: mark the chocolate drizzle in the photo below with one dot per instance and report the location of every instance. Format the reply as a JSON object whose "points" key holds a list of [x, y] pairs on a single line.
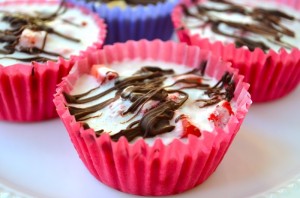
{"points": [[145, 85], [130, 2], [19, 22], [267, 23], [217, 92]]}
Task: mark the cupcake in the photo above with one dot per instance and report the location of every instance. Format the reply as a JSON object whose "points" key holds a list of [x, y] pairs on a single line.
{"points": [[130, 108], [133, 19], [40, 41], [260, 39]]}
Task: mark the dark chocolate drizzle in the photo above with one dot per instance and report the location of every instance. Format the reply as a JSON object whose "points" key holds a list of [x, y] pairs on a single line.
{"points": [[19, 22], [130, 2], [267, 23], [147, 84]]}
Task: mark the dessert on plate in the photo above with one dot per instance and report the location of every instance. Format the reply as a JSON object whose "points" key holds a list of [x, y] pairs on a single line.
{"points": [[260, 39], [40, 41], [152, 118], [133, 19]]}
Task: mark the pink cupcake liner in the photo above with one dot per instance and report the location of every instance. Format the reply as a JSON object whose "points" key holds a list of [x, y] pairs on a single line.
{"points": [[27, 89], [271, 75], [138, 168]]}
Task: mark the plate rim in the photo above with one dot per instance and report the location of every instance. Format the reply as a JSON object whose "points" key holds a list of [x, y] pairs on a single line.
{"points": [[283, 190]]}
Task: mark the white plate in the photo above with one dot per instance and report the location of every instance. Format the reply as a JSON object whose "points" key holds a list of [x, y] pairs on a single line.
{"points": [[38, 159]]}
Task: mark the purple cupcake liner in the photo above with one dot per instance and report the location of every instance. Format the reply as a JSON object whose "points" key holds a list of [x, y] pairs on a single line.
{"points": [[135, 23]]}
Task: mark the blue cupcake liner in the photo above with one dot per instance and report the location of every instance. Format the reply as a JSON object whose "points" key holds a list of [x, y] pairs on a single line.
{"points": [[134, 23]]}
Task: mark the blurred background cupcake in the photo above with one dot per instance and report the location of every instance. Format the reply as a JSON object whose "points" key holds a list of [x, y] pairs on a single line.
{"points": [[40, 41], [133, 19], [152, 117], [260, 38]]}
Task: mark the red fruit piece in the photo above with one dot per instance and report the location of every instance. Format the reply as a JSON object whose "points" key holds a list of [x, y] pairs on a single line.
{"points": [[227, 106], [189, 128], [103, 74], [83, 23], [221, 114]]}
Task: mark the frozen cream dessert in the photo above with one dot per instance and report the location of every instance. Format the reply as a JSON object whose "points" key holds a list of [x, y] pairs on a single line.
{"points": [[44, 31], [133, 19], [39, 44], [254, 24], [152, 118], [151, 99]]}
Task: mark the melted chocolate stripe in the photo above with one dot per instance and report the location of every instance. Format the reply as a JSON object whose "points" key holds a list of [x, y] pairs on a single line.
{"points": [[77, 100], [35, 50], [143, 99], [240, 42], [147, 84], [80, 113], [215, 93], [60, 10], [74, 98], [36, 58]]}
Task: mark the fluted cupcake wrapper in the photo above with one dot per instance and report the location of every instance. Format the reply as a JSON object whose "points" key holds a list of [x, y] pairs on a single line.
{"points": [[271, 75], [26, 92], [134, 23], [27, 89], [138, 168]]}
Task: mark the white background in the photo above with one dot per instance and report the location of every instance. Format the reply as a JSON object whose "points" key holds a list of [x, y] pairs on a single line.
{"points": [[38, 159]]}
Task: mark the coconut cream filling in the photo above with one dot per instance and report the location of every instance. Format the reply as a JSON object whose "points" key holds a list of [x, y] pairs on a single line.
{"points": [[110, 118]]}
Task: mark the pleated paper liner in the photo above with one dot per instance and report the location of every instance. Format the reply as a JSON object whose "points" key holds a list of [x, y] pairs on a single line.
{"points": [[271, 75], [27, 89], [138, 168], [135, 23]]}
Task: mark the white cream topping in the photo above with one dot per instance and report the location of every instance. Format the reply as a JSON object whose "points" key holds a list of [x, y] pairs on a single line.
{"points": [[109, 118], [86, 30], [206, 32]]}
